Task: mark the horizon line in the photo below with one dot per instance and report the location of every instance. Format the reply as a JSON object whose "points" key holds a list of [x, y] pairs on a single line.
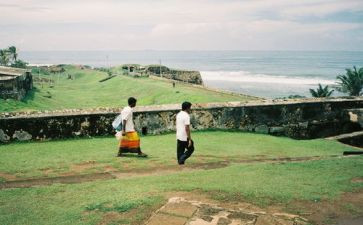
{"points": [[155, 50]]}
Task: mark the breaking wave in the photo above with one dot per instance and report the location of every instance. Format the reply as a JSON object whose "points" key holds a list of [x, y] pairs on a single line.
{"points": [[247, 77]]}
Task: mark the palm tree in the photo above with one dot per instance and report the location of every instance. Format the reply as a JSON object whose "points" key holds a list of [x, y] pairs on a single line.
{"points": [[351, 82], [321, 92], [13, 53], [4, 58]]}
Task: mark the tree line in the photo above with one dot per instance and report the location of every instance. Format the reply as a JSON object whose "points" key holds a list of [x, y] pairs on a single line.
{"points": [[9, 57]]}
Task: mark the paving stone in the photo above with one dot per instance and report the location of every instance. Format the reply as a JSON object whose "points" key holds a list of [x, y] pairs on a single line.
{"points": [[241, 216], [161, 218], [181, 209]]}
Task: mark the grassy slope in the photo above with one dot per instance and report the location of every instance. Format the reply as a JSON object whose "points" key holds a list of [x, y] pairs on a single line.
{"points": [[86, 92], [29, 159], [85, 203], [136, 197]]}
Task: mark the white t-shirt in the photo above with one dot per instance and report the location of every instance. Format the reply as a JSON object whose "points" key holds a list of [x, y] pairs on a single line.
{"points": [[126, 114], [182, 119]]}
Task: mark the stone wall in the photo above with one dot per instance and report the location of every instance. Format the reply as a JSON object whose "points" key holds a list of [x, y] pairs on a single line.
{"points": [[188, 76], [16, 87], [302, 119], [356, 115]]}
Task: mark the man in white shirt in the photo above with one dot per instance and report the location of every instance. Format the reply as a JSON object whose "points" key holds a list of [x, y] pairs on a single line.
{"points": [[184, 139], [130, 141]]}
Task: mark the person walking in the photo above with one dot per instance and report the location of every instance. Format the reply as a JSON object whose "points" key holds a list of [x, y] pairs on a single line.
{"points": [[185, 144], [130, 141]]}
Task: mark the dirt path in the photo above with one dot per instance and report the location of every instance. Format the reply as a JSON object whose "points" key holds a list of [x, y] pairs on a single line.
{"points": [[71, 179]]}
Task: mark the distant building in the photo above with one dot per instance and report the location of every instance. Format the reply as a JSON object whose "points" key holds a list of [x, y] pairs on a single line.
{"points": [[134, 70], [14, 82]]}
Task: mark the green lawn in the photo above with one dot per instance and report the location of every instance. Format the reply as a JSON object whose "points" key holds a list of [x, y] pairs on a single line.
{"points": [[31, 159], [134, 198], [85, 91]]}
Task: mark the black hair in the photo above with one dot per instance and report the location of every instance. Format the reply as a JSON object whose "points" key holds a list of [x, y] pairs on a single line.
{"points": [[132, 101], [186, 105]]}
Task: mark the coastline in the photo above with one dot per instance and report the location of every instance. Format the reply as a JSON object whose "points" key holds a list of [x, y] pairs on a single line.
{"points": [[207, 88], [267, 74]]}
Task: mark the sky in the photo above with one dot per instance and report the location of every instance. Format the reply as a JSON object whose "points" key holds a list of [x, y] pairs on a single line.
{"points": [[182, 24]]}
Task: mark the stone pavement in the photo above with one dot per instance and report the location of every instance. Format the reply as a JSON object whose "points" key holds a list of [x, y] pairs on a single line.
{"points": [[179, 211]]}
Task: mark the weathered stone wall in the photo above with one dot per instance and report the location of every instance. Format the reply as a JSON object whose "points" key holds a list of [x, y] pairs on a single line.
{"points": [[356, 115], [193, 77], [303, 119], [17, 87], [354, 139], [188, 76]]}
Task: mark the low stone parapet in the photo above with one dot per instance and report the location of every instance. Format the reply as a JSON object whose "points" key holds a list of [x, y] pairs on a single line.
{"points": [[302, 119]]}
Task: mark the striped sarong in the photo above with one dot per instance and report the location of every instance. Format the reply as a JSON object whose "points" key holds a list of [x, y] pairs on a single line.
{"points": [[130, 143]]}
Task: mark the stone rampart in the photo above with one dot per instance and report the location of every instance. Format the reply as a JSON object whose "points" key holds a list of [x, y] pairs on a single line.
{"points": [[302, 119], [15, 87], [188, 76]]}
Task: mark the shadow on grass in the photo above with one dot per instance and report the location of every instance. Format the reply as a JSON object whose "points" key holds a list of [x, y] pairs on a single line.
{"points": [[133, 155]]}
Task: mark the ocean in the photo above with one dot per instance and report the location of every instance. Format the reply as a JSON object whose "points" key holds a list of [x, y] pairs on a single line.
{"points": [[268, 74]]}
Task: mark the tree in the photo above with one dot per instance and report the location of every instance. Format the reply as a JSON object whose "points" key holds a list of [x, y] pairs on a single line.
{"points": [[19, 64], [13, 53], [321, 92], [4, 57], [351, 82]]}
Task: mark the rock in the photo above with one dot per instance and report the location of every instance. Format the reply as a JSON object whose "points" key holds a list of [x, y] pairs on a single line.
{"points": [[277, 130], [262, 129], [304, 124], [3, 136], [22, 135], [85, 125]]}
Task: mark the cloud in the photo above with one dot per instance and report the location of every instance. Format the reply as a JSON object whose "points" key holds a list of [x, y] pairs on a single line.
{"points": [[22, 7], [322, 8], [181, 24]]}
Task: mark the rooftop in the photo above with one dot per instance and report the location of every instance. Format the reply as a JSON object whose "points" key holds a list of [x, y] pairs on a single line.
{"points": [[7, 73], [11, 71]]}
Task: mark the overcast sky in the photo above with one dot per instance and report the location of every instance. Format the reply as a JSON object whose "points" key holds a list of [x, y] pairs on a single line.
{"points": [[182, 24]]}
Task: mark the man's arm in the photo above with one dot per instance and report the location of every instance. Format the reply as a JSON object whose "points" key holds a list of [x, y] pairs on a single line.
{"points": [[187, 129], [123, 127]]}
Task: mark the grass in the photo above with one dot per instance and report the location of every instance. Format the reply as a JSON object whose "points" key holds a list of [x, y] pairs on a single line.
{"points": [[69, 204], [133, 199], [31, 159], [85, 91]]}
